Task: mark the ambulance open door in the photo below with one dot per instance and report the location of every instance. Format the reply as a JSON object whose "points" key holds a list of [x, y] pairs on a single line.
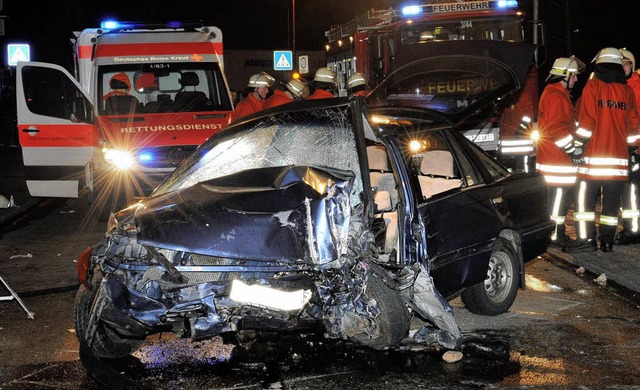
{"points": [[56, 129]]}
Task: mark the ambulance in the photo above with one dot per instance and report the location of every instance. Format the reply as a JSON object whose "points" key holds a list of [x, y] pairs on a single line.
{"points": [[142, 98]]}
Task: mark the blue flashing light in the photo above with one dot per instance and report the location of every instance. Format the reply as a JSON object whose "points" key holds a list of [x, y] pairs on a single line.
{"points": [[116, 25], [410, 10], [109, 24], [145, 157], [507, 4]]}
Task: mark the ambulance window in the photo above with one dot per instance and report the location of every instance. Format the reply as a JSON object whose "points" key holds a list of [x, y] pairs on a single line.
{"points": [[51, 93]]}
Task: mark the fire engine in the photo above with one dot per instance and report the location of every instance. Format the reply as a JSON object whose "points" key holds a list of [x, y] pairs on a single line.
{"points": [[379, 42], [142, 98]]}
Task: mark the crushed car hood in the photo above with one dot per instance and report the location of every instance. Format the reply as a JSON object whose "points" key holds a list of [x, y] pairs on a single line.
{"points": [[289, 214], [455, 78]]}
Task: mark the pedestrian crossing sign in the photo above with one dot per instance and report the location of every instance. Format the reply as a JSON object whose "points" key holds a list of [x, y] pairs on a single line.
{"points": [[18, 52], [282, 60]]}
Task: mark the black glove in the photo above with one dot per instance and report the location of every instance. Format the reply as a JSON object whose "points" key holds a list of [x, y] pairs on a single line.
{"points": [[577, 156]]}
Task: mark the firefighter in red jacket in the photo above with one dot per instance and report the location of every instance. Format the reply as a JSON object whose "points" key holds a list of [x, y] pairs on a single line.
{"points": [[258, 90], [324, 83], [294, 90], [607, 119], [631, 194], [556, 125], [357, 85]]}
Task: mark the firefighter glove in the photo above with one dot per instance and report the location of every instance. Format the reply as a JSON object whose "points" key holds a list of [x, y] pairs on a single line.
{"points": [[577, 156]]}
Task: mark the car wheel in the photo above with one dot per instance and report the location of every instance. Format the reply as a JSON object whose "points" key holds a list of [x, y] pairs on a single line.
{"points": [[392, 324], [106, 343], [496, 293]]}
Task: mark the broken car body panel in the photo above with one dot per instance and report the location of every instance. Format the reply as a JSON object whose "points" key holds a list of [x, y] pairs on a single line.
{"points": [[320, 205]]}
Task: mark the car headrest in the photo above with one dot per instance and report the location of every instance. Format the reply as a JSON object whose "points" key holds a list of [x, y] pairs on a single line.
{"points": [[189, 79], [377, 157], [437, 163]]}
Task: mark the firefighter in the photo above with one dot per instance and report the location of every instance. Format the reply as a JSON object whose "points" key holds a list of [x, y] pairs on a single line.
{"points": [[120, 85], [259, 89], [607, 118], [556, 123], [325, 83], [631, 194], [357, 85], [516, 148], [294, 90]]}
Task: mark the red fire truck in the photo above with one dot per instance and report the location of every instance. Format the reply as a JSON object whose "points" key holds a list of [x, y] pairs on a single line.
{"points": [[143, 97], [382, 41]]}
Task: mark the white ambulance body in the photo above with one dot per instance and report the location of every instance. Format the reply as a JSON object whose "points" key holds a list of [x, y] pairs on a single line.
{"points": [[142, 99]]}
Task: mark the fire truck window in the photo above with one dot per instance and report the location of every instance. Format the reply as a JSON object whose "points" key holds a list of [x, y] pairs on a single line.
{"points": [[51, 93]]}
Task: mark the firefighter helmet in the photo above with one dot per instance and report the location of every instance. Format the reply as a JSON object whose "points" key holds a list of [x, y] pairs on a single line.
{"points": [[261, 79], [609, 55], [325, 75], [564, 66], [356, 80], [299, 89], [628, 56]]}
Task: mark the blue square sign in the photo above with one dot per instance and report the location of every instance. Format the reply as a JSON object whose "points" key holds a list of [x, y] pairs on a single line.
{"points": [[17, 52], [282, 60]]}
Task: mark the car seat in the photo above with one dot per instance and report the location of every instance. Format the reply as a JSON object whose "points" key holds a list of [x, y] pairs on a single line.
{"points": [[191, 100]]}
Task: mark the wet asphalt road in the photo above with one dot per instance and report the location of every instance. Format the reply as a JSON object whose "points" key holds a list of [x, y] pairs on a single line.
{"points": [[564, 331]]}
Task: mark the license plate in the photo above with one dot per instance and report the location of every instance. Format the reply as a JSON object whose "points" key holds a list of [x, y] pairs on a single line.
{"points": [[482, 137]]}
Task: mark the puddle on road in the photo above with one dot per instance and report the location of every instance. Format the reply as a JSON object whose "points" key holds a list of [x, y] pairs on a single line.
{"points": [[213, 363]]}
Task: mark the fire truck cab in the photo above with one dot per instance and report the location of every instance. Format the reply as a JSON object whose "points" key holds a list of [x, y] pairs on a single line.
{"points": [[380, 42], [141, 99]]}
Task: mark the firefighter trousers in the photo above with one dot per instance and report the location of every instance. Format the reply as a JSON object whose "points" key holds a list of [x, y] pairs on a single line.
{"points": [[560, 198], [630, 198], [606, 193]]}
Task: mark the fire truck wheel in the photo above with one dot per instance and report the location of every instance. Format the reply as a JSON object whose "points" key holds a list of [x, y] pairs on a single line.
{"points": [[496, 293], [106, 343]]}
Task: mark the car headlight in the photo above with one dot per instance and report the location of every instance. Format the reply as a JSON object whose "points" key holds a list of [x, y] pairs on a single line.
{"points": [[121, 159]]}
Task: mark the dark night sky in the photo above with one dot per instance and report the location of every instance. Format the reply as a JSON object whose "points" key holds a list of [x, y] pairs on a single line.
{"points": [[246, 24], [266, 24]]}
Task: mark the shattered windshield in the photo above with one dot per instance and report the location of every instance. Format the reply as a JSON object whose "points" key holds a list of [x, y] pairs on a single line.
{"points": [[321, 138]]}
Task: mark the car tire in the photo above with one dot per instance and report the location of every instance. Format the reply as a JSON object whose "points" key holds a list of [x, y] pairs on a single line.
{"points": [[495, 294], [392, 322], [106, 343]]}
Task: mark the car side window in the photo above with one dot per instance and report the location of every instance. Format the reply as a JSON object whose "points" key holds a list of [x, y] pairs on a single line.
{"points": [[469, 173], [495, 170]]}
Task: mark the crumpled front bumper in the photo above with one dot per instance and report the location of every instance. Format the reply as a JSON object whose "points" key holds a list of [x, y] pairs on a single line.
{"points": [[134, 314]]}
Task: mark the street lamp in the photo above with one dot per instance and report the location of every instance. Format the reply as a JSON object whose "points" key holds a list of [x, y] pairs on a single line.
{"points": [[293, 23]]}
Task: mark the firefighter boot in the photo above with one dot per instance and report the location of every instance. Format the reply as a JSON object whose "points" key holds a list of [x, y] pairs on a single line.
{"points": [[581, 246]]}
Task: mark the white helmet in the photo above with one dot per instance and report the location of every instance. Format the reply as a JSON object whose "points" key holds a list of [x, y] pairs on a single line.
{"points": [[261, 79], [298, 88], [325, 75], [627, 55], [356, 80], [564, 66], [609, 55]]}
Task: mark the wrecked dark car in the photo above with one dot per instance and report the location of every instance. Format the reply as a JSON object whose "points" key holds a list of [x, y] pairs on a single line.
{"points": [[347, 218]]}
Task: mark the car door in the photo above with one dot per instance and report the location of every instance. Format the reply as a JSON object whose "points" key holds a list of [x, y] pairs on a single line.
{"points": [[462, 219], [56, 130]]}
